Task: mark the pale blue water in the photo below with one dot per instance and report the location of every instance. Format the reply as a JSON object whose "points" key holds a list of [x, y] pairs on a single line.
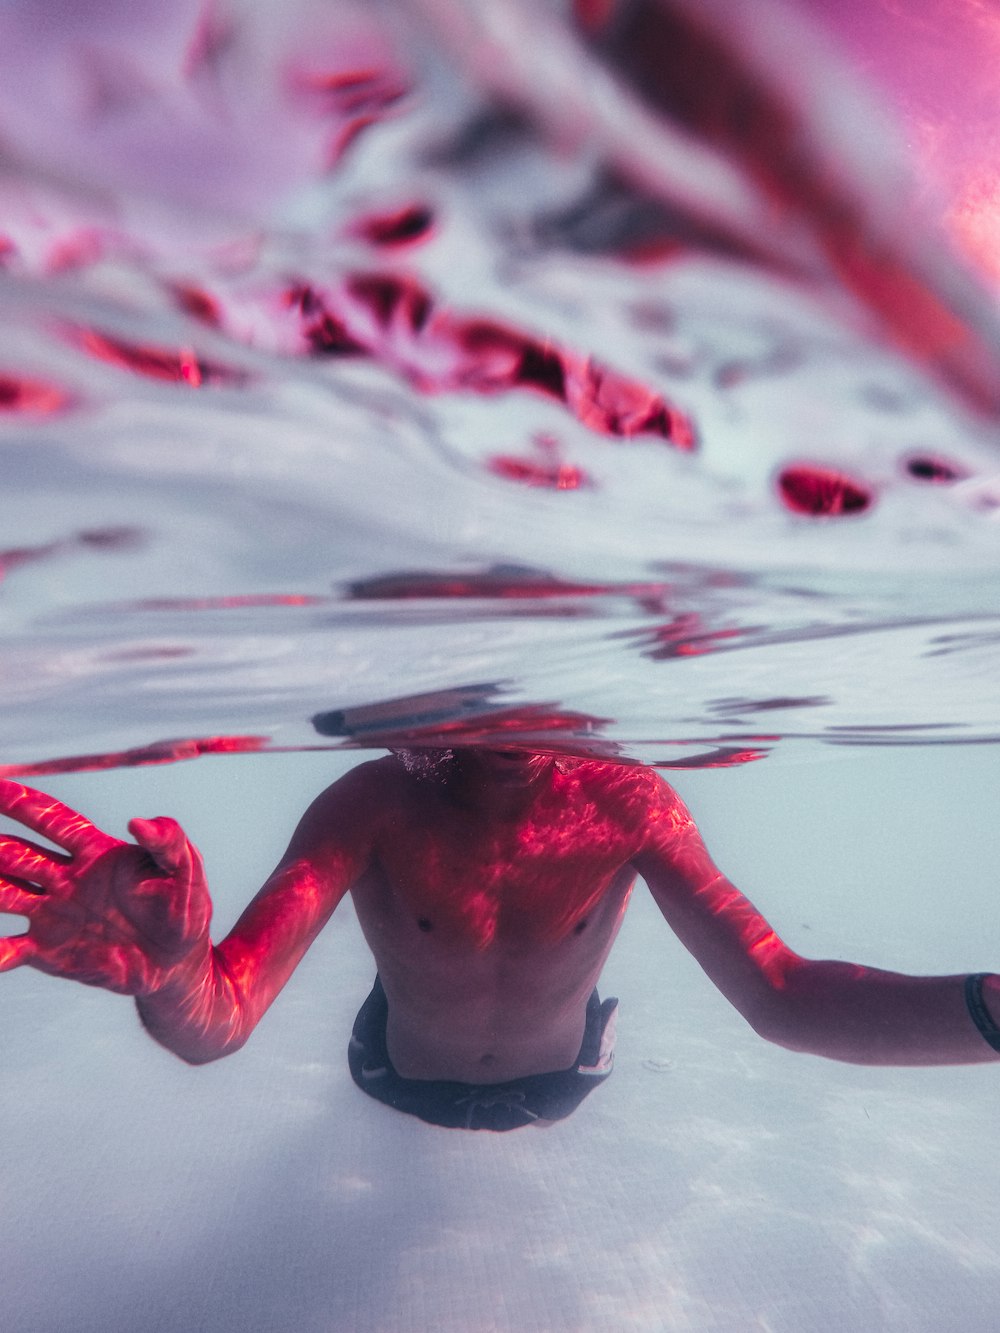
{"points": [[193, 567]]}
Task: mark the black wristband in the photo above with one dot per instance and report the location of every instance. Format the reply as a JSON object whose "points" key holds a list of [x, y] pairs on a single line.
{"points": [[978, 1012]]}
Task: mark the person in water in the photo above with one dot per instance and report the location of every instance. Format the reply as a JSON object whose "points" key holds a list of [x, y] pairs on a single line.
{"points": [[490, 885]]}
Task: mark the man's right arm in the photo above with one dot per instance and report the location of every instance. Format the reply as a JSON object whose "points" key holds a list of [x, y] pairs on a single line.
{"points": [[134, 918], [209, 1009]]}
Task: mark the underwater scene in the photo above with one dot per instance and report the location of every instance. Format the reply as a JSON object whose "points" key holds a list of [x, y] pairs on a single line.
{"points": [[548, 402]]}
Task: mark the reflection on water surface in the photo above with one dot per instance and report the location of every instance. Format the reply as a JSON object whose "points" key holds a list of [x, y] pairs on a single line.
{"points": [[432, 405]]}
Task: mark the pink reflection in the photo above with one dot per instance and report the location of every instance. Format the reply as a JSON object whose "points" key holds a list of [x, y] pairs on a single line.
{"points": [[686, 636], [936, 60], [822, 492], [196, 302], [214, 34], [354, 99], [393, 318], [106, 539], [161, 752], [405, 226], [462, 717], [32, 397], [729, 88], [177, 365], [230, 602], [935, 468], [324, 333], [504, 582], [722, 757], [556, 477]]}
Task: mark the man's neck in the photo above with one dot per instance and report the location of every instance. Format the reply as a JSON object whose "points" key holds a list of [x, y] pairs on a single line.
{"points": [[498, 783]]}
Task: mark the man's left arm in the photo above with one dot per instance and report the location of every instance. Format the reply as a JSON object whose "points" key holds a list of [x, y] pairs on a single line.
{"points": [[841, 1010]]}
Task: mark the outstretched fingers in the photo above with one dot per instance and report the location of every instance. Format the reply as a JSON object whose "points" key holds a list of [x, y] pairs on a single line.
{"points": [[15, 899], [25, 861], [51, 818], [15, 950]]}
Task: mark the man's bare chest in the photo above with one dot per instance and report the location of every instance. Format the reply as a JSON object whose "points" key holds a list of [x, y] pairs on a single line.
{"points": [[531, 881]]}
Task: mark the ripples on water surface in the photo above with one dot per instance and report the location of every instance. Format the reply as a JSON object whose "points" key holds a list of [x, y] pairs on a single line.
{"points": [[366, 376]]}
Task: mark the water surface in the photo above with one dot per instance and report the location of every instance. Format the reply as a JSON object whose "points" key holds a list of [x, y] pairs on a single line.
{"points": [[349, 398]]}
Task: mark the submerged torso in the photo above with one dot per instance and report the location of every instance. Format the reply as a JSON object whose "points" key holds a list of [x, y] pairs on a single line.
{"points": [[489, 932]]}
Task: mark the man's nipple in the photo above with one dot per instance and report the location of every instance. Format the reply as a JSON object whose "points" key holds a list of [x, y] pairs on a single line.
{"points": [[423, 924]]}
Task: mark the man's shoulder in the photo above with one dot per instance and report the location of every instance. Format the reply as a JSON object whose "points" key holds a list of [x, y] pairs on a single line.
{"points": [[350, 812], [629, 793], [373, 780]]}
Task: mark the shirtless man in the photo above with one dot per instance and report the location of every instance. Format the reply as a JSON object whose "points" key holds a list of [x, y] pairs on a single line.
{"points": [[490, 885]]}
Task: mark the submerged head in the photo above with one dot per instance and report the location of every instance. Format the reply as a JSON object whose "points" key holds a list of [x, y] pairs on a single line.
{"points": [[495, 766], [503, 766]]}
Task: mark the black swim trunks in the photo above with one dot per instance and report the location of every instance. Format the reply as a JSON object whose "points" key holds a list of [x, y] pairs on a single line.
{"points": [[495, 1106]]}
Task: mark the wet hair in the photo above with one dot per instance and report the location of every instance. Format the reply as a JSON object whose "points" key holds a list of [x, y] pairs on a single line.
{"points": [[430, 764]]}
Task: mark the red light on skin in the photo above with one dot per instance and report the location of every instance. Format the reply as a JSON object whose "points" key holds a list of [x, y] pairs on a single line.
{"points": [[178, 366], [544, 864], [91, 932], [822, 492], [31, 397], [405, 226], [562, 477]]}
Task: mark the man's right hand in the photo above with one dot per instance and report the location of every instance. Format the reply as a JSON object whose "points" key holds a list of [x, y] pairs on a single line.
{"points": [[129, 917]]}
